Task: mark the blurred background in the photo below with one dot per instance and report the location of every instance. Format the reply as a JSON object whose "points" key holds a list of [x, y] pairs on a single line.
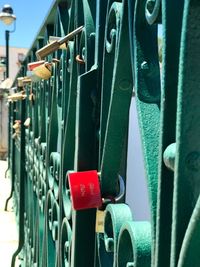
{"points": [[16, 37]]}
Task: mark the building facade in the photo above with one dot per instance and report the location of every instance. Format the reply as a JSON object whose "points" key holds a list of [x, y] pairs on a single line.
{"points": [[16, 56]]}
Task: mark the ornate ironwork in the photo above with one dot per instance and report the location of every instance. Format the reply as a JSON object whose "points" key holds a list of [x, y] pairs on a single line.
{"points": [[78, 121]]}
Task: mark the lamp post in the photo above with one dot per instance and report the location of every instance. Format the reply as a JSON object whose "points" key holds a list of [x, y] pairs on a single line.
{"points": [[7, 17]]}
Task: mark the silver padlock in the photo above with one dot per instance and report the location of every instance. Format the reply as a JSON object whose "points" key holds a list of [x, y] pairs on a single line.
{"points": [[27, 122]]}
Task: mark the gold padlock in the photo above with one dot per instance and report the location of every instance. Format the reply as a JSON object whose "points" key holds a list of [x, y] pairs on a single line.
{"points": [[100, 219], [55, 38], [16, 125], [23, 80], [26, 80], [17, 131], [20, 81], [17, 96], [55, 45], [43, 71]]}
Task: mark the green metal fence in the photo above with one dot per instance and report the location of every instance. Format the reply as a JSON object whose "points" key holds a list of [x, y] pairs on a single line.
{"points": [[71, 115]]}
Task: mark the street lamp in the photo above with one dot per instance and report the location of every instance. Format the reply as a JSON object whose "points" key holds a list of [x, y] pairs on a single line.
{"points": [[7, 17]]}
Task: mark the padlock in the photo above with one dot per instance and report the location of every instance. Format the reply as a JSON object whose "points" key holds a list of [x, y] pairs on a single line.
{"points": [[20, 81], [55, 45], [33, 65], [17, 124], [43, 71], [55, 38], [26, 80], [84, 189], [100, 219], [18, 130], [17, 96], [17, 127], [27, 122]]}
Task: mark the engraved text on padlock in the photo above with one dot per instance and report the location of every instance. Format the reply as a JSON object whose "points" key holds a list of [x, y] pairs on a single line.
{"points": [[85, 189]]}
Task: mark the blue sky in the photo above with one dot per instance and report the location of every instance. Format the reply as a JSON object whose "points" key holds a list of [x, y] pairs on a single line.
{"points": [[30, 16]]}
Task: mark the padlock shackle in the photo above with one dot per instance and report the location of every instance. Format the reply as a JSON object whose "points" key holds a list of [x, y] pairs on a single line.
{"points": [[52, 47], [120, 195], [121, 189], [69, 36]]}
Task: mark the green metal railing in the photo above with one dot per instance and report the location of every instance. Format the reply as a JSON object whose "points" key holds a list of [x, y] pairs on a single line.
{"points": [[78, 119]]}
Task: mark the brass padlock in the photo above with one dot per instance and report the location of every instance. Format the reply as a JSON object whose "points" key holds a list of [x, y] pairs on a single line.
{"points": [[26, 80], [17, 127], [17, 131], [17, 124], [100, 219], [55, 38], [20, 81], [17, 96], [55, 45], [43, 71]]}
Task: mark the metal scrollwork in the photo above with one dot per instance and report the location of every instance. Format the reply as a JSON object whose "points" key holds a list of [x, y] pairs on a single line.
{"points": [[134, 245], [153, 11], [65, 243], [115, 217], [78, 121]]}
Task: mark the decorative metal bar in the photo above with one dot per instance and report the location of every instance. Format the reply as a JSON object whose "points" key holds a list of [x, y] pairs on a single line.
{"points": [[74, 124]]}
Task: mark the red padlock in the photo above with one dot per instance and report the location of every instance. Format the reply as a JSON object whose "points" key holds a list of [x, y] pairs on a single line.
{"points": [[33, 65], [85, 189]]}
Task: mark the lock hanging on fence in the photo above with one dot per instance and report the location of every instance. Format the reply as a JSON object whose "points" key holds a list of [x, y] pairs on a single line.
{"points": [[85, 190], [56, 44], [22, 80], [39, 70], [17, 96]]}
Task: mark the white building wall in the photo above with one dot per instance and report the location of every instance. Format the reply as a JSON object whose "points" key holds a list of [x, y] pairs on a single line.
{"points": [[13, 59], [14, 66], [136, 186]]}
